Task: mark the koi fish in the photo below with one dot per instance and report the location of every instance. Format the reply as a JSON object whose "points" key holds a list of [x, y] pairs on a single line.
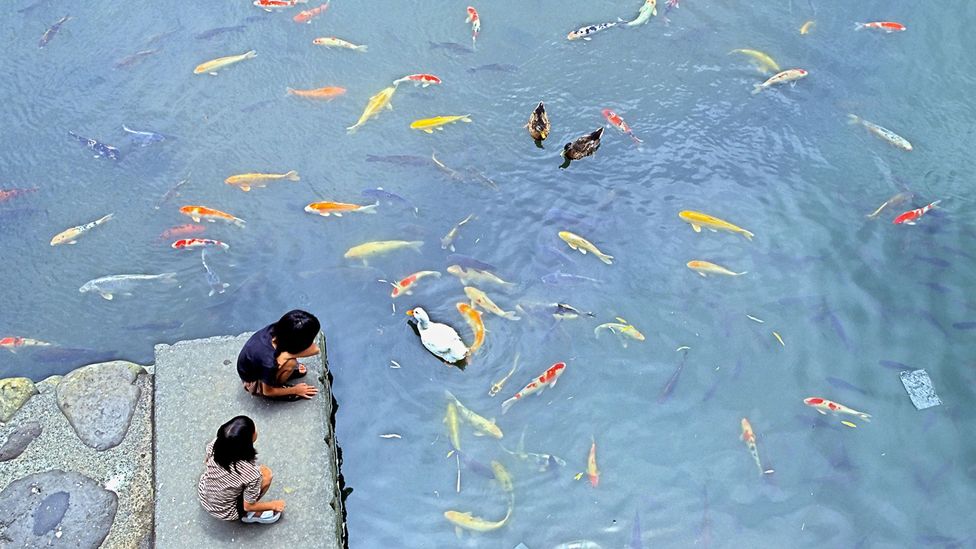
{"points": [[884, 133], [697, 220], [476, 276], [246, 181], [13, 343], [198, 213], [327, 93], [143, 138], [912, 216], [190, 243], [504, 479], [306, 16], [453, 423], [70, 236], [543, 461], [706, 268], [789, 75], [763, 62], [374, 106], [823, 406], [617, 122], [182, 230], [497, 386], [7, 194], [585, 31], [884, 26], [899, 198], [807, 27], [268, 5], [211, 67], [448, 240], [583, 245], [749, 438], [368, 249], [473, 523], [174, 191], [100, 149], [473, 317], [475, 21], [538, 385], [422, 80], [402, 287], [478, 423], [622, 328], [482, 300], [591, 469], [108, 286], [216, 286], [333, 42], [325, 209], [648, 9], [428, 125], [51, 32]]}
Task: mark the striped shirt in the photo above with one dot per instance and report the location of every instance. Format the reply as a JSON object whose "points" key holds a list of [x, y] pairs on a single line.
{"points": [[220, 490]]}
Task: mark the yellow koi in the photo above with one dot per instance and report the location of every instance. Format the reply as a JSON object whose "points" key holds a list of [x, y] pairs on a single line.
{"points": [[211, 67], [496, 387], [697, 220], [246, 181], [473, 317], [763, 62], [482, 300], [70, 236], [368, 249], [622, 328], [481, 425], [503, 477], [583, 245], [374, 106], [591, 469], [780, 339], [453, 423], [333, 42], [436, 123], [807, 27], [706, 268], [475, 276], [473, 523]]}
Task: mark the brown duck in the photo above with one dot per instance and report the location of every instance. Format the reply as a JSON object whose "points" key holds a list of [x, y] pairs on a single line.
{"points": [[538, 124], [583, 146]]}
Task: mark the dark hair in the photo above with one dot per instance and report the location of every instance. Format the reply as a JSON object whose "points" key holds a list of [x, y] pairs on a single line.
{"points": [[295, 332], [235, 442]]}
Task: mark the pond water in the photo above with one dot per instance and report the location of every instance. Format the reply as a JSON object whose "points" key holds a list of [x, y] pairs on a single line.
{"points": [[854, 300]]}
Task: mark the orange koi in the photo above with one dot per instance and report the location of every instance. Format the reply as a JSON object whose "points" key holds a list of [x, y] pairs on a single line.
{"points": [[198, 213], [473, 317]]}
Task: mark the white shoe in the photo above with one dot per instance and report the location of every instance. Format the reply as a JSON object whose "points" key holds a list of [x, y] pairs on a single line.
{"points": [[266, 517]]}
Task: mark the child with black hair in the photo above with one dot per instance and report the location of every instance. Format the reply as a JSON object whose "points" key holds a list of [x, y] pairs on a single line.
{"points": [[233, 482], [269, 359]]}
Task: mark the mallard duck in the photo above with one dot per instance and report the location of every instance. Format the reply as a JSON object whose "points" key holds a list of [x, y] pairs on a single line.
{"points": [[440, 339], [583, 147], [538, 124]]}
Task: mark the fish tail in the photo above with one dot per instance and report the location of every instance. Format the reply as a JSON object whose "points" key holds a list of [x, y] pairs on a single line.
{"points": [[935, 204], [758, 88], [362, 48], [416, 244], [292, 176], [853, 119], [168, 277], [608, 259], [289, 91], [740, 274], [508, 404], [105, 218], [511, 315], [858, 26], [863, 416], [371, 209], [239, 222], [748, 235], [251, 54], [636, 139]]}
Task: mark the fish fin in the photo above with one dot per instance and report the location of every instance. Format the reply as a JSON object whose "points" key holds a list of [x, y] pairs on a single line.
{"points": [[758, 88], [72, 242], [479, 434], [362, 48], [821, 412], [250, 55], [195, 219], [508, 404], [337, 214], [863, 416], [703, 275], [371, 209], [696, 228], [212, 73], [740, 274], [292, 176], [107, 296], [239, 222], [246, 188], [853, 119], [608, 259], [465, 119]]}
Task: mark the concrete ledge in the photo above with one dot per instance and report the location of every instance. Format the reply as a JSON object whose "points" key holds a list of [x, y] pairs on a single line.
{"points": [[197, 390]]}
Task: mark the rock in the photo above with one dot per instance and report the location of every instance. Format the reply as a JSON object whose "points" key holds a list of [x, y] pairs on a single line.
{"points": [[14, 393], [56, 509], [98, 401], [48, 384], [18, 441]]}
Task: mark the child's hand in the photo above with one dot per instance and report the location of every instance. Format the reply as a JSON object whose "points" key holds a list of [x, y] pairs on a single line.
{"points": [[305, 390]]}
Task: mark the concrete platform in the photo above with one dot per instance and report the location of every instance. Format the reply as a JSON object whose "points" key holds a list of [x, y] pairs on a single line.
{"points": [[197, 390]]}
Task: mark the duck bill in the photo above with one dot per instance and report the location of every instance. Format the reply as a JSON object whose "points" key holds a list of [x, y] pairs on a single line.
{"points": [[410, 312]]}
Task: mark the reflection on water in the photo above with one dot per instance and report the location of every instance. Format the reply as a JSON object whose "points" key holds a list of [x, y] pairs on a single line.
{"points": [[852, 300]]}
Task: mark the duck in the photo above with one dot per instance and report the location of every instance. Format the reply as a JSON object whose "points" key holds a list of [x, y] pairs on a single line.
{"points": [[440, 340], [583, 146], [538, 124]]}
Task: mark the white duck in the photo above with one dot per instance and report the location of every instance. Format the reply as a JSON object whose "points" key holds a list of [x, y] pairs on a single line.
{"points": [[440, 339]]}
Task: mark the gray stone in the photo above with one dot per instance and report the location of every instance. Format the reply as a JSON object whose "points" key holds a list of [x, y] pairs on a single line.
{"points": [[14, 393], [98, 401], [19, 440], [197, 390], [56, 509]]}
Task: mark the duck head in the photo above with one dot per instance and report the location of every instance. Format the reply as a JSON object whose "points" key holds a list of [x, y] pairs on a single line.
{"points": [[423, 321]]}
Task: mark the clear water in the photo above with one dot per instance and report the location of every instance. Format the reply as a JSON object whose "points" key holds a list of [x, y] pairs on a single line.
{"points": [[844, 292]]}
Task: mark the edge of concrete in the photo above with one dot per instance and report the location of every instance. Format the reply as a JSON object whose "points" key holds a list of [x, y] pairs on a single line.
{"points": [[332, 406]]}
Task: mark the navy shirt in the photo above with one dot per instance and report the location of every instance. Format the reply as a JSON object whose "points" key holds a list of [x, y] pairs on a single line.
{"points": [[257, 360]]}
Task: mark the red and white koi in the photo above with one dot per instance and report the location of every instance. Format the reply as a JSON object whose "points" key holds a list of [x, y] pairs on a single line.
{"points": [[475, 21], [7, 194], [307, 15], [884, 26], [538, 385], [182, 230], [403, 286], [749, 437], [823, 406], [617, 122], [591, 469], [191, 243], [13, 343], [423, 80], [268, 5], [912, 216]]}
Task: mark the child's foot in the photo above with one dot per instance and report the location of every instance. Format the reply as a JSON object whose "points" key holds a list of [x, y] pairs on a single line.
{"points": [[266, 517], [301, 371]]}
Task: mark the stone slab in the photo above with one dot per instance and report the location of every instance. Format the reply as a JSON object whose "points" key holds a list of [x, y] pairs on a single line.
{"points": [[98, 401], [197, 390]]}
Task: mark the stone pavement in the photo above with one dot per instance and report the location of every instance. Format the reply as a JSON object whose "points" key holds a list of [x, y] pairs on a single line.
{"points": [[197, 390]]}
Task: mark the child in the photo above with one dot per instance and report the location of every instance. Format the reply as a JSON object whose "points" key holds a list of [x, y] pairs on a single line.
{"points": [[232, 483], [269, 359]]}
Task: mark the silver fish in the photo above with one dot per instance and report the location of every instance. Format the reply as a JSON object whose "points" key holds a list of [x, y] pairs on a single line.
{"points": [[216, 286], [448, 240], [884, 133], [108, 286], [586, 31]]}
